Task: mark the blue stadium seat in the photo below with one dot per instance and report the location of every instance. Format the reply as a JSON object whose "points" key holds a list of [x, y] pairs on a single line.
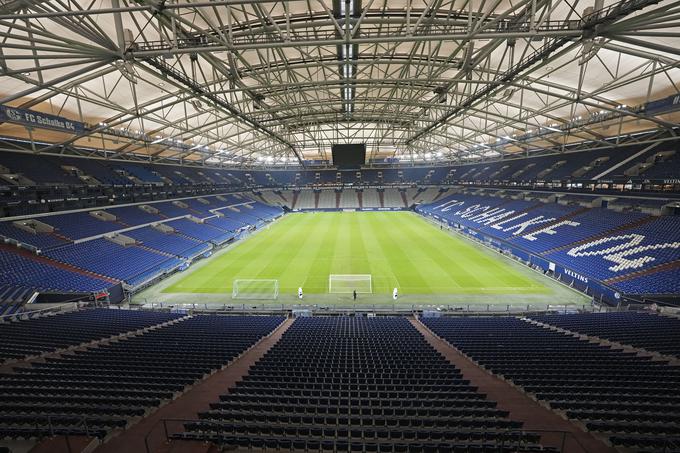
{"points": [[21, 270], [104, 257]]}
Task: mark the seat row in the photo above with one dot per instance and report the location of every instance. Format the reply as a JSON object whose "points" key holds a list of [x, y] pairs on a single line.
{"points": [[23, 338], [101, 388], [643, 330], [622, 395], [355, 384]]}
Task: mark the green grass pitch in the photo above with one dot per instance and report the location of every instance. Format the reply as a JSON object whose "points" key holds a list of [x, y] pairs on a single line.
{"points": [[399, 249]]}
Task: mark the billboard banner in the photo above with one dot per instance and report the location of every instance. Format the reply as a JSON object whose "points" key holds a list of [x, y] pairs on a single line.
{"points": [[669, 104], [40, 120]]}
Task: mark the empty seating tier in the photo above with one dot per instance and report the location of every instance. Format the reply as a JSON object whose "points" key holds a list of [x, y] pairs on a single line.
{"points": [[642, 330], [40, 241], [33, 272], [662, 282], [96, 263], [632, 400], [199, 231], [356, 384], [102, 388], [174, 244], [597, 244], [20, 339], [104, 257]]}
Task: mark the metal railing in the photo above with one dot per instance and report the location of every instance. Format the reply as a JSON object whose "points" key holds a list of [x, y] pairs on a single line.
{"points": [[166, 430], [69, 306], [50, 430], [320, 308]]}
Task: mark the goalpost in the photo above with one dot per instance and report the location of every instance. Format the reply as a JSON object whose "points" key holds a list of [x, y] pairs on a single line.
{"points": [[348, 283], [255, 288]]}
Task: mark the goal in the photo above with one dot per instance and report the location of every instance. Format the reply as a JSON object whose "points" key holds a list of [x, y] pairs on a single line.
{"points": [[255, 288], [347, 283]]}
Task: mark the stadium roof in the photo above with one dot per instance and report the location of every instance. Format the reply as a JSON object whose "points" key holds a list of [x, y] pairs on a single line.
{"points": [[250, 81]]}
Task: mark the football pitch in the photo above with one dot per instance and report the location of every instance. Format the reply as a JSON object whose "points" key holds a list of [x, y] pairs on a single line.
{"points": [[398, 249]]}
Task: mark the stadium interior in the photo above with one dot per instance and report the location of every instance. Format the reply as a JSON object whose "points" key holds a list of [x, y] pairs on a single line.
{"points": [[340, 226]]}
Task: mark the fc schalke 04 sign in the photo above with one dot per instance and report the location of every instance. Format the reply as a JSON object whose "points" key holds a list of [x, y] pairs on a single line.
{"points": [[40, 120]]}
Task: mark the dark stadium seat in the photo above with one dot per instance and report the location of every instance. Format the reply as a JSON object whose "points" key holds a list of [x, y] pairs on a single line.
{"points": [[19, 339], [359, 385], [92, 391], [621, 395], [643, 330]]}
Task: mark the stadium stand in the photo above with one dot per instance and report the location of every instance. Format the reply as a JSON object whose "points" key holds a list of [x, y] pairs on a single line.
{"points": [[39, 171], [642, 330], [598, 243], [656, 242], [355, 384], [582, 166], [326, 200], [587, 224], [40, 241], [200, 231], [133, 215], [141, 173], [67, 195], [79, 267], [199, 208], [98, 389], [628, 398], [393, 199], [94, 169], [371, 199], [305, 200], [649, 205], [258, 210], [569, 232], [382, 227], [171, 243], [171, 210], [349, 199], [21, 339], [21, 270], [231, 222], [80, 225], [273, 197], [131, 264], [663, 282], [12, 300]]}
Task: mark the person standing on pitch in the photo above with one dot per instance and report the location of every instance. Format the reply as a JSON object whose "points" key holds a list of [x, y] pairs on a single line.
{"points": [[395, 294], [300, 292], [354, 294]]}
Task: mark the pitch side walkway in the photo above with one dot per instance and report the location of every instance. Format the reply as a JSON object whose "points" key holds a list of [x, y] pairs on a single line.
{"points": [[186, 406], [522, 408]]}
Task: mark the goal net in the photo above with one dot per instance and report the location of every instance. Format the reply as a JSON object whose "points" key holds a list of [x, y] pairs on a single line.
{"points": [[348, 283], [255, 289]]}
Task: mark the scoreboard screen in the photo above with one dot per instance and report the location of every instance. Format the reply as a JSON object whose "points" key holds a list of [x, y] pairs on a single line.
{"points": [[349, 155]]}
